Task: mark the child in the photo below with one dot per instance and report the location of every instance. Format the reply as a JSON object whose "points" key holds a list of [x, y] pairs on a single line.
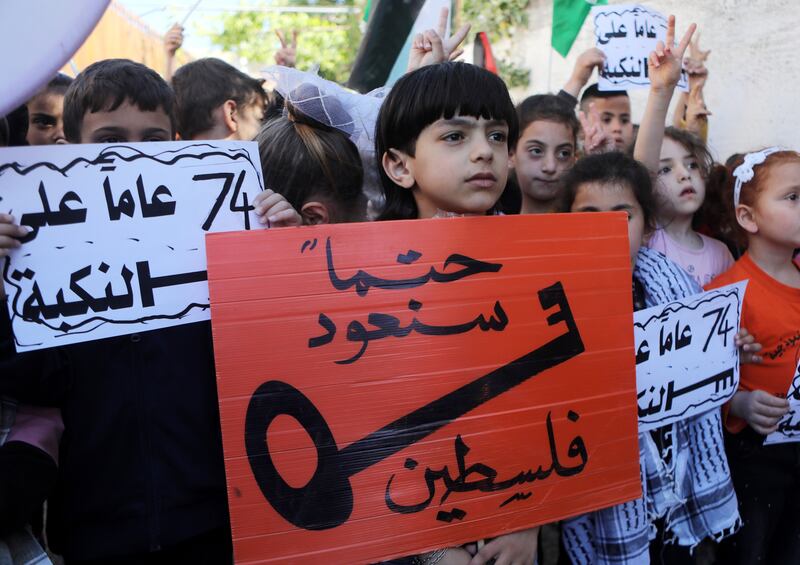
{"points": [[687, 491], [313, 165], [545, 150], [765, 200], [46, 112], [442, 140], [684, 172], [142, 478], [466, 138], [701, 503], [614, 107], [217, 101], [683, 166]]}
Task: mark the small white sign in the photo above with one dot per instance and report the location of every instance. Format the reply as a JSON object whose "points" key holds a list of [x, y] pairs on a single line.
{"points": [[789, 425], [118, 234], [686, 360], [627, 34]]}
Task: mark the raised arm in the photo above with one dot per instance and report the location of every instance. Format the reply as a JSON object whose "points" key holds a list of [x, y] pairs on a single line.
{"points": [[431, 47], [587, 61], [664, 67]]}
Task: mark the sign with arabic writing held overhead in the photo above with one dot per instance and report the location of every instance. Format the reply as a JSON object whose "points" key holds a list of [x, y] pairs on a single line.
{"points": [[117, 240], [789, 425], [686, 360], [394, 387], [626, 34]]}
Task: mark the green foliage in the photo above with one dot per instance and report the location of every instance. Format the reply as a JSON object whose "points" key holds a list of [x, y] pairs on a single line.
{"points": [[500, 19], [515, 76], [329, 40]]}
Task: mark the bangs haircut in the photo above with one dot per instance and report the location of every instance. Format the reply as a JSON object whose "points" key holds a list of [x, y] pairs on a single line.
{"points": [[106, 85], [424, 96], [441, 91], [613, 168], [546, 108]]}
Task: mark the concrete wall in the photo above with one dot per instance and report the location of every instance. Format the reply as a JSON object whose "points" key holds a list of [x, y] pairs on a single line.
{"points": [[754, 67]]}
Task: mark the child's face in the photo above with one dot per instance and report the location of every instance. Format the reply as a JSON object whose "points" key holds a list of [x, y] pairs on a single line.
{"points": [[45, 121], [680, 187], [545, 151], [126, 124], [615, 119], [460, 165], [613, 197], [776, 210]]}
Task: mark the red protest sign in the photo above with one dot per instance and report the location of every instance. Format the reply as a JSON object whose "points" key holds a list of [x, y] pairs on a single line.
{"points": [[391, 388]]}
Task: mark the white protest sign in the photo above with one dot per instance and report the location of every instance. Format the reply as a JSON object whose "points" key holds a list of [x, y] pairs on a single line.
{"points": [[686, 359], [789, 425], [118, 240], [627, 34], [38, 39]]}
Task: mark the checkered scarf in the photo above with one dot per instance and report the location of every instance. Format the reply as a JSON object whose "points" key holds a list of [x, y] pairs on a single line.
{"points": [[686, 481]]}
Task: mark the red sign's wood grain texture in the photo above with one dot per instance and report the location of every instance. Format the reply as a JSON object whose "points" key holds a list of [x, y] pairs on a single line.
{"points": [[395, 387]]}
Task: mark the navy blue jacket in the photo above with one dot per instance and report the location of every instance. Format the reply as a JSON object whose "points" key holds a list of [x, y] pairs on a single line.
{"points": [[141, 464]]}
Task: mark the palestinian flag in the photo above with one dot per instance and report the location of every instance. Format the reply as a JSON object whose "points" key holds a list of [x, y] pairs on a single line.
{"points": [[568, 18], [383, 55]]}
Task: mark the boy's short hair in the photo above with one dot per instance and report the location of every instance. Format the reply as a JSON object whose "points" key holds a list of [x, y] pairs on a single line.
{"points": [[203, 85], [613, 167], [106, 85], [59, 83], [547, 107], [593, 91]]}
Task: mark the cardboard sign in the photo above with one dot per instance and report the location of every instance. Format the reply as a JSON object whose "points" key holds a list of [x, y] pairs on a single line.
{"points": [[118, 234], [627, 34], [686, 360], [394, 387], [789, 426]]}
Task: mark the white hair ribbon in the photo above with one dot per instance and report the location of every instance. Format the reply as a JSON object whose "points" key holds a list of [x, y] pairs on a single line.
{"points": [[744, 172]]}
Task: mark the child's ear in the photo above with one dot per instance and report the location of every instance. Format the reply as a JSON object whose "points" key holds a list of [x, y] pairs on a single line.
{"points": [[399, 167], [745, 216], [230, 115], [315, 213], [512, 160]]}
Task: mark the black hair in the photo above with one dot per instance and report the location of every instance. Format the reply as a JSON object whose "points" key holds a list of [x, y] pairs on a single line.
{"points": [[593, 91], [3, 132], [59, 83], [613, 167], [547, 107], [303, 159], [106, 85], [17, 121], [422, 97], [203, 85]]}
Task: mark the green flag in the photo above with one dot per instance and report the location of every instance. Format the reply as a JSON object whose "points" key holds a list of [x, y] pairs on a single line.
{"points": [[568, 18]]}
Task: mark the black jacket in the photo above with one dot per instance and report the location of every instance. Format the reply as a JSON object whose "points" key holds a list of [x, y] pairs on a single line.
{"points": [[141, 464]]}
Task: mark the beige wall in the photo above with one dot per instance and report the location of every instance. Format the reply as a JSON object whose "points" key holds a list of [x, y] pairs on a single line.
{"points": [[120, 34], [754, 81]]}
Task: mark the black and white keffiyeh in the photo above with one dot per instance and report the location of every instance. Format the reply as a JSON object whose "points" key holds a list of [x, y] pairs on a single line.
{"points": [[686, 480]]}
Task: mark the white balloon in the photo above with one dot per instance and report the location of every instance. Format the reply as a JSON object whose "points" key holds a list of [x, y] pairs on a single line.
{"points": [[38, 38]]}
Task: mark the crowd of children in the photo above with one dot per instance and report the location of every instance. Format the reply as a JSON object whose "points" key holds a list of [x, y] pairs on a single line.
{"points": [[121, 436]]}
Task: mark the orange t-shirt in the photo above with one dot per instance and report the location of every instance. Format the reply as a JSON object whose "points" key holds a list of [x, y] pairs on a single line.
{"points": [[771, 312]]}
